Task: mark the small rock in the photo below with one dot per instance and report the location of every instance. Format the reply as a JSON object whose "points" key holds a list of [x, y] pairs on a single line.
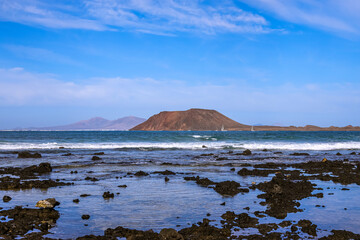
{"points": [[338, 154], [107, 195], [223, 204], [141, 173], [246, 152], [7, 198], [85, 195], [47, 203], [95, 158], [76, 200], [324, 160], [122, 186], [85, 217], [167, 179]]}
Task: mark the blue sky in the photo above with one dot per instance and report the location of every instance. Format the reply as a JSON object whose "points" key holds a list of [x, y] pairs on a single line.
{"points": [[283, 62]]}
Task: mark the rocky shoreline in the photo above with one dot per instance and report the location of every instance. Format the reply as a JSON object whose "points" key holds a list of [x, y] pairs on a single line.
{"points": [[282, 188]]}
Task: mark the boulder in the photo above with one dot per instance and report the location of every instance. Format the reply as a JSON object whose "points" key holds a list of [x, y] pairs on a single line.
{"points": [[47, 203], [170, 234]]}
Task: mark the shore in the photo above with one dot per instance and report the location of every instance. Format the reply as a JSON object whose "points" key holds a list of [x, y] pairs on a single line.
{"points": [[219, 195]]}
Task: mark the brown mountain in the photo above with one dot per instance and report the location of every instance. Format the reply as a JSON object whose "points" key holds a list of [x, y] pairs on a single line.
{"points": [[192, 119], [211, 120]]}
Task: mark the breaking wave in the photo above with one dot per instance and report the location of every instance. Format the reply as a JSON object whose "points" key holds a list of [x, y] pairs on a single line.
{"points": [[319, 146]]}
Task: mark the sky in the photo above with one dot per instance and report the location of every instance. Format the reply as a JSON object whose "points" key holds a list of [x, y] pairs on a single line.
{"points": [[278, 62]]}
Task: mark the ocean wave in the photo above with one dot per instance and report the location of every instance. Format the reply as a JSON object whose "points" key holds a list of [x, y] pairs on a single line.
{"points": [[319, 146]]}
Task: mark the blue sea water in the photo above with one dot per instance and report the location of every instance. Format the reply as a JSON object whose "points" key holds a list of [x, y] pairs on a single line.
{"points": [[188, 140], [150, 202]]}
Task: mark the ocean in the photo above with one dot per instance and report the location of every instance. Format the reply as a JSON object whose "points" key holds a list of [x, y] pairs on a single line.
{"points": [[151, 203]]}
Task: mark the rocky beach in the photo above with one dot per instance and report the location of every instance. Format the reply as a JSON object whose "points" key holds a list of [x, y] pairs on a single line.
{"points": [[206, 191]]}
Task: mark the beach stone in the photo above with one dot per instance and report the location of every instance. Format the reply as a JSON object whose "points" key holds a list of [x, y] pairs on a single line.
{"points": [[47, 203], [6, 198], [28, 155], [170, 234], [85, 216], [166, 179], [324, 160]]}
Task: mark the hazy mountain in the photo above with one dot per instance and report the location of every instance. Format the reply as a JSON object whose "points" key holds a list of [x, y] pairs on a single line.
{"points": [[98, 123]]}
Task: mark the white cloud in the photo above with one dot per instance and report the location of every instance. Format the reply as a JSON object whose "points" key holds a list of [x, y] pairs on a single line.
{"points": [[21, 88], [339, 16], [149, 16]]}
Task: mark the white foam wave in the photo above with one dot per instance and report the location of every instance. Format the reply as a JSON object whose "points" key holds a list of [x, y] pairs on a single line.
{"points": [[303, 146], [186, 145]]}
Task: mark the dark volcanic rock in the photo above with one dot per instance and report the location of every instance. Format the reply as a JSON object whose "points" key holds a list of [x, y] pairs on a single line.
{"points": [[299, 154], [93, 179], [23, 220], [141, 173], [242, 220], [341, 235], [281, 195], [95, 158], [28, 155], [166, 172], [307, 227], [204, 231], [246, 152], [255, 172], [204, 182], [85, 217], [108, 195], [27, 172], [8, 183], [230, 188], [6, 198], [227, 188]]}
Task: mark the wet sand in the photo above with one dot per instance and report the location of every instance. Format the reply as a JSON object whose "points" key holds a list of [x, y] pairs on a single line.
{"points": [[207, 194]]}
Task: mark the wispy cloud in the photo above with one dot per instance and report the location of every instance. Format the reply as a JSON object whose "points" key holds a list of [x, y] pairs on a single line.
{"points": [[149, 16], [22, 88], [332, 15]]}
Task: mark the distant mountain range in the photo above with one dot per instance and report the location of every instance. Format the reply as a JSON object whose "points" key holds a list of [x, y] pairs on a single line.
{"points": [[211, 120], [96, 123]]}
